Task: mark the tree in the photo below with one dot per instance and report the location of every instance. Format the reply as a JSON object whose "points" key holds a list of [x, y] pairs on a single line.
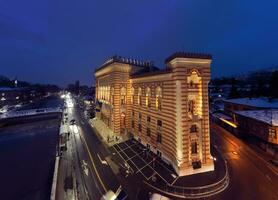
{"points": [[234, 92], [273, 90]]}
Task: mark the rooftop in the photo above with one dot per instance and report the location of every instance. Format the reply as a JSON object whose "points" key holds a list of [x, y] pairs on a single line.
{"points": [[255, 102], [129, 61], [268, 116], [188, 55]]}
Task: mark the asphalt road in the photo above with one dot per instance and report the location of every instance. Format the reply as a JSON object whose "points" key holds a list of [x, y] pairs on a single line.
{"points": [[251, 177], [95, 176]]}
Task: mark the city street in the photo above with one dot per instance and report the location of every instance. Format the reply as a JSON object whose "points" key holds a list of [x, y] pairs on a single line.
{"points": [[251, 176], [93, 175]]}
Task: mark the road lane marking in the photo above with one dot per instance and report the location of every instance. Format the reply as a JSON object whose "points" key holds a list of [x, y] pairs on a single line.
{"points": [[104, 162], [228, 136], [85, 167], [268, 177], [91, 158]]}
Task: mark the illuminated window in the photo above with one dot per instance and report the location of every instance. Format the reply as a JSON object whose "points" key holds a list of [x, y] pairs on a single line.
{"points": [[194, 148], [272, 133], [123, 96], [148, 97], [191, 106], [132, 95], [158, 98], [139, 99]]}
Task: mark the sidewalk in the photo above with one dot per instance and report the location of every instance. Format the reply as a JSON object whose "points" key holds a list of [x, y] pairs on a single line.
{"points": [[159, 176], [66, 183], [105, 134]]}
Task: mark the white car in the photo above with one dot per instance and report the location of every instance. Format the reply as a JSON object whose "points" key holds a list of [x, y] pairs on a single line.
{"points": [[156, 196]]}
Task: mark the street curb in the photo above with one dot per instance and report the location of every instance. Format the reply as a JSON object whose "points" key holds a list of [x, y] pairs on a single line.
{"points": [[209, 190], [55, 179]]}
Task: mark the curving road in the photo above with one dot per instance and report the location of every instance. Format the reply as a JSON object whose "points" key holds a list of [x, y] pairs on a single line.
{"points": [[251, 176]]}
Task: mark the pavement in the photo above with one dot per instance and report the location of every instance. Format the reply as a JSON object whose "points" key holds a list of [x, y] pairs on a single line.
{"points": [[136, 160]]}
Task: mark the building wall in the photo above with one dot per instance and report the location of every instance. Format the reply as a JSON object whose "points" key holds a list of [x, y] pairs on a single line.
{"points": [[260, 129], [184, 105]]}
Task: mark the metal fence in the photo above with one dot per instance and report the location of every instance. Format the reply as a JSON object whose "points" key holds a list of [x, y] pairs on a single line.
{"points": [[30, 112]]}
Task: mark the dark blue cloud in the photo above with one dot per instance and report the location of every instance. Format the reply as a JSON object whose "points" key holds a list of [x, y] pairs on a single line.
{"points": [[60, 41]]}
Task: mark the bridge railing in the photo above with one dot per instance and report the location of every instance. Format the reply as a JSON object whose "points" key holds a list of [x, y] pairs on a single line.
{"points": [[21, 113]]}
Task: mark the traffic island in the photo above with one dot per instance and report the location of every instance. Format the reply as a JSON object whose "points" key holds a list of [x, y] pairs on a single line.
{"points": [[160, 177]]}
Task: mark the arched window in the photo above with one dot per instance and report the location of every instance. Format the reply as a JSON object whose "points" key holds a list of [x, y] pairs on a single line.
{"points": [[123, 96], [158, 98], [132, 95], [191, 105], [194, 147], [139, 99], [148, 97], [193, 128]]}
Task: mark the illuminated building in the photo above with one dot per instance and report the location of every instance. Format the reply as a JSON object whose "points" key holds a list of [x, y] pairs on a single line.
{"points": [[263, 124], [166, 110]]}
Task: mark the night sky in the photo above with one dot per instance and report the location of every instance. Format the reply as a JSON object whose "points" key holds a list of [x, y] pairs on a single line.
{"points": [[60, 41]]}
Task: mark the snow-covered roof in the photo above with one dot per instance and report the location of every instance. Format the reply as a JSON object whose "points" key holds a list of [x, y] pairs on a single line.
{"points": [[255, 102], [268, 116]]}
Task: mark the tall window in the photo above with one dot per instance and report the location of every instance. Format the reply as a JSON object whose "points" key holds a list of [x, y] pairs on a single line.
{"points": [[139, 98], [194, 148], [132, 95], [148, 132], [123, 96], [139, 117], [132, 124], [132, 113], [148, 120], [139, 127], [159, 137], [193, 128], [148, 97], [159, 131], [158, 98], [159, 123], [112, 96], [191, 106]]}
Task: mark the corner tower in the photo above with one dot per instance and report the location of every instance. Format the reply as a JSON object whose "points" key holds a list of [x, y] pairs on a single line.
{"points": [[191, 74]]}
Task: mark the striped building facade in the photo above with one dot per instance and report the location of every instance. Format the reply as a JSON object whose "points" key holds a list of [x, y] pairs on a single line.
{"points": [[166, 110]]}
